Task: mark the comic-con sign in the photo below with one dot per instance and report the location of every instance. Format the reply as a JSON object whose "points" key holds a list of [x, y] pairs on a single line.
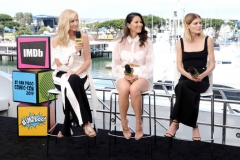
{"points": [[32, 120]]}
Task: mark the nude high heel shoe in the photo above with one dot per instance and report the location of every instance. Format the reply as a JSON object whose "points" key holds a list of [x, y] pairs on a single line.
{"points": [[126, 131]]}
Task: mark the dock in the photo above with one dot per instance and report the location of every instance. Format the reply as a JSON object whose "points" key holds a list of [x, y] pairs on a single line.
{"points": [[97, 49], [8, 50]]}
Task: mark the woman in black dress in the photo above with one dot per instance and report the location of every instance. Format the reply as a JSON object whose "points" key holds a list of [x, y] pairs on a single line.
{"points": [[193, 50]]}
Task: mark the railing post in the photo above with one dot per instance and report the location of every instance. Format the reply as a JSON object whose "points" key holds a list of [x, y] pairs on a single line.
{"points": [[224, 122], [104, 109]]}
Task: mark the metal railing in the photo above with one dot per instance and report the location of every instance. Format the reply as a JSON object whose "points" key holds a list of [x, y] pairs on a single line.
{"points": [[226, 105]]}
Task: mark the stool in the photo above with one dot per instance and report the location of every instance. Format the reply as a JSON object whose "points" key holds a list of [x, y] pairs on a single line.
{"points": [[208, 93], [147, 93], [56, 92]]}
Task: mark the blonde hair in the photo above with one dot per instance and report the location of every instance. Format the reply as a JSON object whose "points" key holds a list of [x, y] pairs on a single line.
{"points": [[187, 21], [64, 25]]}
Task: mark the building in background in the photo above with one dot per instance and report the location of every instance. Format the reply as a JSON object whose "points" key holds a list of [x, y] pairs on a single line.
{"points": [[44, 20]]}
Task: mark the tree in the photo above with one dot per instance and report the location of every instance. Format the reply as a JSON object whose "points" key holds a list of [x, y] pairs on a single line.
{"points": [[23, 31], [113, 25], [42, 29], [96, 26], [11, 24], [4, 18], [231, 23], [1, 30], [106, 24], [24, 18], [153, 19], [119, 25], [28, 18], [215, 23], [19, 17]]}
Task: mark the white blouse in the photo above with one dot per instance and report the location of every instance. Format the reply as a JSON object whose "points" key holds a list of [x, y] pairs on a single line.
{"points": [[68, 55], [75, 61], [129, 52]]}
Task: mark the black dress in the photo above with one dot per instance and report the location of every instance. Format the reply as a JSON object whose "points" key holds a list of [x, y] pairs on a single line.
{"points": [[187, 91]]}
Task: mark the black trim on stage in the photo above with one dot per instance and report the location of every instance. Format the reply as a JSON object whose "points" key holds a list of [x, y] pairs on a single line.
{"points": [[13, 147]]}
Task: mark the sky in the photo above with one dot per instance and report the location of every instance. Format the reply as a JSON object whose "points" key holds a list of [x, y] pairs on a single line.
{"points": [[221, 9]]}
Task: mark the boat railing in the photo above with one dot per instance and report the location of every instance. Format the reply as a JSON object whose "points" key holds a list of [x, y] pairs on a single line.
{"points": [[218, 91], [226, 104]]}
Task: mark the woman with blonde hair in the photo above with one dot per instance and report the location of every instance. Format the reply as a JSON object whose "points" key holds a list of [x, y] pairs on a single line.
{"points": [[193, 52], [72, 75]]}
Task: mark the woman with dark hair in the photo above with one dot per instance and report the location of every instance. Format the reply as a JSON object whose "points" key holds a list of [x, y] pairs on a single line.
{"points": [[134, 49], [193, 50]]}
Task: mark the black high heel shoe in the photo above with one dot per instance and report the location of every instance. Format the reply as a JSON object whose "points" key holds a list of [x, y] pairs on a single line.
{"points": [[197, 139], [169, 135]]}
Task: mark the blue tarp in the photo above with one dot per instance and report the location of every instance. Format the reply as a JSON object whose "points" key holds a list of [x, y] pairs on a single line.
{"points": [[6, 29], [42, 16]]}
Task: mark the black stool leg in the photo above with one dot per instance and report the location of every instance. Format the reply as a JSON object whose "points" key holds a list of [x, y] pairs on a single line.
{"points": [[155, 127], [95, 138], [48, 97], [169, 146], [110, 125], [170, 139], [88, 147], [115, 115], [150, 123], [47, 144], [212, 123]]}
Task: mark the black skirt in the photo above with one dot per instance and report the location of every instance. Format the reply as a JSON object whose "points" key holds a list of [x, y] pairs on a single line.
{"points": [[187, 92]]}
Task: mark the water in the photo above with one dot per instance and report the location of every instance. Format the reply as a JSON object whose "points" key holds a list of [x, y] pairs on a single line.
{"points": [[8, 66], [98, 69]]}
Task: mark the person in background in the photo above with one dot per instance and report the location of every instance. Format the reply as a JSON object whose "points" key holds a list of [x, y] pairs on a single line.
{"points": [[193, 51], [136, 50], [72, 75]]}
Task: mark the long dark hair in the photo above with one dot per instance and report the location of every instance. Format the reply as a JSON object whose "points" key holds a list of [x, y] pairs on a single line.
{"points": [[142, 35]]}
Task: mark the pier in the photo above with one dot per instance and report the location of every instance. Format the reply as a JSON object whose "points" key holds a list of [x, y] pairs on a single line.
{"points": [[8, 50], [97, 49], [10, 56]]}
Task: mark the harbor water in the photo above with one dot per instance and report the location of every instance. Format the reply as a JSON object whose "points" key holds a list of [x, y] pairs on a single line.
{"points": [[99, 69]]}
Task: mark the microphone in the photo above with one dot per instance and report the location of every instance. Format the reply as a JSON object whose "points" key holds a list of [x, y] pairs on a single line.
{"points": [[128, 70], [194, 73], [78, 39]]}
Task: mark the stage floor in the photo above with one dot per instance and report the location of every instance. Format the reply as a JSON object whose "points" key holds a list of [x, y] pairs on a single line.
{"points": [[13, 147]]}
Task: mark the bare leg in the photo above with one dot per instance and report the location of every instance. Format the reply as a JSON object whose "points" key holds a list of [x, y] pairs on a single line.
{"points": [[123, 87], [136, 88], [196, 134]]}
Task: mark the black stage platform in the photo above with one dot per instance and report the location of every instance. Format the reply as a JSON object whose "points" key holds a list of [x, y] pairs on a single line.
{"points": [[13, 147]]}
